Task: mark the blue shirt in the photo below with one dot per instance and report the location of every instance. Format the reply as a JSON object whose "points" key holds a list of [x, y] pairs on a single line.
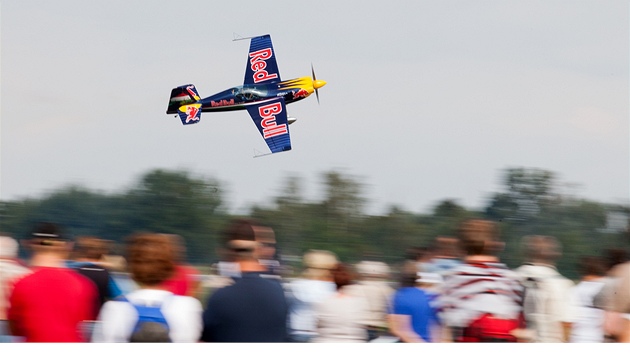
{"points": [[414, 302]]}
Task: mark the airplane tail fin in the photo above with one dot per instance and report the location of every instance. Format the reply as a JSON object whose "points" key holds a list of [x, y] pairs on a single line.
{"points": [[183, 102]]}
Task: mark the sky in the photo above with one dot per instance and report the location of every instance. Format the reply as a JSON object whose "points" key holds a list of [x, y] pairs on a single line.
{"points": [[425, 101]]}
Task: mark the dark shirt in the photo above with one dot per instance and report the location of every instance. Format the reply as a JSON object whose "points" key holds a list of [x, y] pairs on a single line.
{"points": [[253, 309], [101, 278]]}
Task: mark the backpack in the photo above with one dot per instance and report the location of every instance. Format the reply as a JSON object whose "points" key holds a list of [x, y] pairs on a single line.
{"points": [[151, 326], [488, 328]]}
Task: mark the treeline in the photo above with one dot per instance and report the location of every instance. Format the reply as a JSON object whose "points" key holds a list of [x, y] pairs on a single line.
{"points": [[193, 207]]}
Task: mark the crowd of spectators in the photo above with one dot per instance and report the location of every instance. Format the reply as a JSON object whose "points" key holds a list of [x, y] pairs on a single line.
{"points": [[71, 289]]}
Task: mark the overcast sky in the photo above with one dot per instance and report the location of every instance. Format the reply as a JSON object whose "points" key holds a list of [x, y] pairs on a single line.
{"points": [[426, 100]]}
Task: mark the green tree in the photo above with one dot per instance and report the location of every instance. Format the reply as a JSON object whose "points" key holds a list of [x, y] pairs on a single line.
{"points": [[179, 203]]}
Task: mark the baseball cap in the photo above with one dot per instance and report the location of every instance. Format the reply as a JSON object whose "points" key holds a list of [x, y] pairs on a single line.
{"points": [[240, 235], [47, 231]]}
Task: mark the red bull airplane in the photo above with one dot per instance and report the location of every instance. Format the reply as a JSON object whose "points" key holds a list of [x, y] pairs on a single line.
{"points": [[263, 94]]}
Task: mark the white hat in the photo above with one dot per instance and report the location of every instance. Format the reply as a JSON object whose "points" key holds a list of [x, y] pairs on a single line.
{"points": [[429, 278], [373, 269], [8, 247]]}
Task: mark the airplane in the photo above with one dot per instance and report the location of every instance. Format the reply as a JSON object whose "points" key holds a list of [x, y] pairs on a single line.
{"points": [[263, 94]]}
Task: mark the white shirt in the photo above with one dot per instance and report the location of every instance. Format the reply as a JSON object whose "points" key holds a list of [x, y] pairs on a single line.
{"points": [[10, 272], [589, 323], [340, 319], [118, 318], [304, 295], [559, 306]]}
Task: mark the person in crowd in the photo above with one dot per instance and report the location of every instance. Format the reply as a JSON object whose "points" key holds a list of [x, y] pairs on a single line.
{"points": [[315, 285], [266, 252], [151, 262], [548, 309], [619, 304], [374, 287], [185, 280], [341, 317], [412, 318], [254, 307], [86, 259], [51, 303], [480, 300], [446, 256], [430, 283], [116, 264], [11, 270], [417, 259], [616, 259], [589, 321]]}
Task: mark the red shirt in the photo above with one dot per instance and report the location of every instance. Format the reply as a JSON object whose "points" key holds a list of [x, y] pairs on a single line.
{"points": [[49, 304], [183, 280]]}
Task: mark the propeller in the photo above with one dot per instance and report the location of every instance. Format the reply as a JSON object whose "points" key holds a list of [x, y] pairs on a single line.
{"points": [[317, 83]]}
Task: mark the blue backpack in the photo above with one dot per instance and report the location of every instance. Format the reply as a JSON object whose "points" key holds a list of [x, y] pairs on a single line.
{"points": [[151, 326]]}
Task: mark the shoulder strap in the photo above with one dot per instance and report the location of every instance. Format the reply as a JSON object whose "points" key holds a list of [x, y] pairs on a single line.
{"points": [[148, 311]]}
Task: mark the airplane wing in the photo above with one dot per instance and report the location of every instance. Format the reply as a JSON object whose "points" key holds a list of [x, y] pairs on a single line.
{"points": [[261, 62], [270, 117]]}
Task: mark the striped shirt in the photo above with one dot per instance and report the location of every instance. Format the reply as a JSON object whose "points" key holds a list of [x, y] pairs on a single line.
{"points": [[474, 289]]}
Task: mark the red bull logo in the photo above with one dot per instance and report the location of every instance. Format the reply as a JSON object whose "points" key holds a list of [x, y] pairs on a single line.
{"points": [[191, 114], [222, 103], [258, 64], [268, 115], [300, 94]]}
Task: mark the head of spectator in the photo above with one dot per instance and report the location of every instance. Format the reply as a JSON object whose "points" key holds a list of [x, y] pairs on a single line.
{"points": [[541, 249], [419, 254], [266, 239], [319, 264], [241, 240], [417, 258], [408, 277], [479, 237], [342, 275], [10, 270], [591, 267], [446, 247], [49, 246], [9, 247], [373, 270], [615, 257], [90, 249], [150, 259]]}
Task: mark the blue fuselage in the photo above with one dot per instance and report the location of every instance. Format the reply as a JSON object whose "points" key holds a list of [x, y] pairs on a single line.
{"points": [[239, 97]]}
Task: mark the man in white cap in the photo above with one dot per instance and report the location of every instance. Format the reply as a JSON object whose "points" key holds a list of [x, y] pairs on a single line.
{"points": [[377, 292]]}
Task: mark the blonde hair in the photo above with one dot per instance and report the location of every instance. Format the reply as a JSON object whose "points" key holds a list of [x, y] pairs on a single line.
{"points": [[319, 264]]}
